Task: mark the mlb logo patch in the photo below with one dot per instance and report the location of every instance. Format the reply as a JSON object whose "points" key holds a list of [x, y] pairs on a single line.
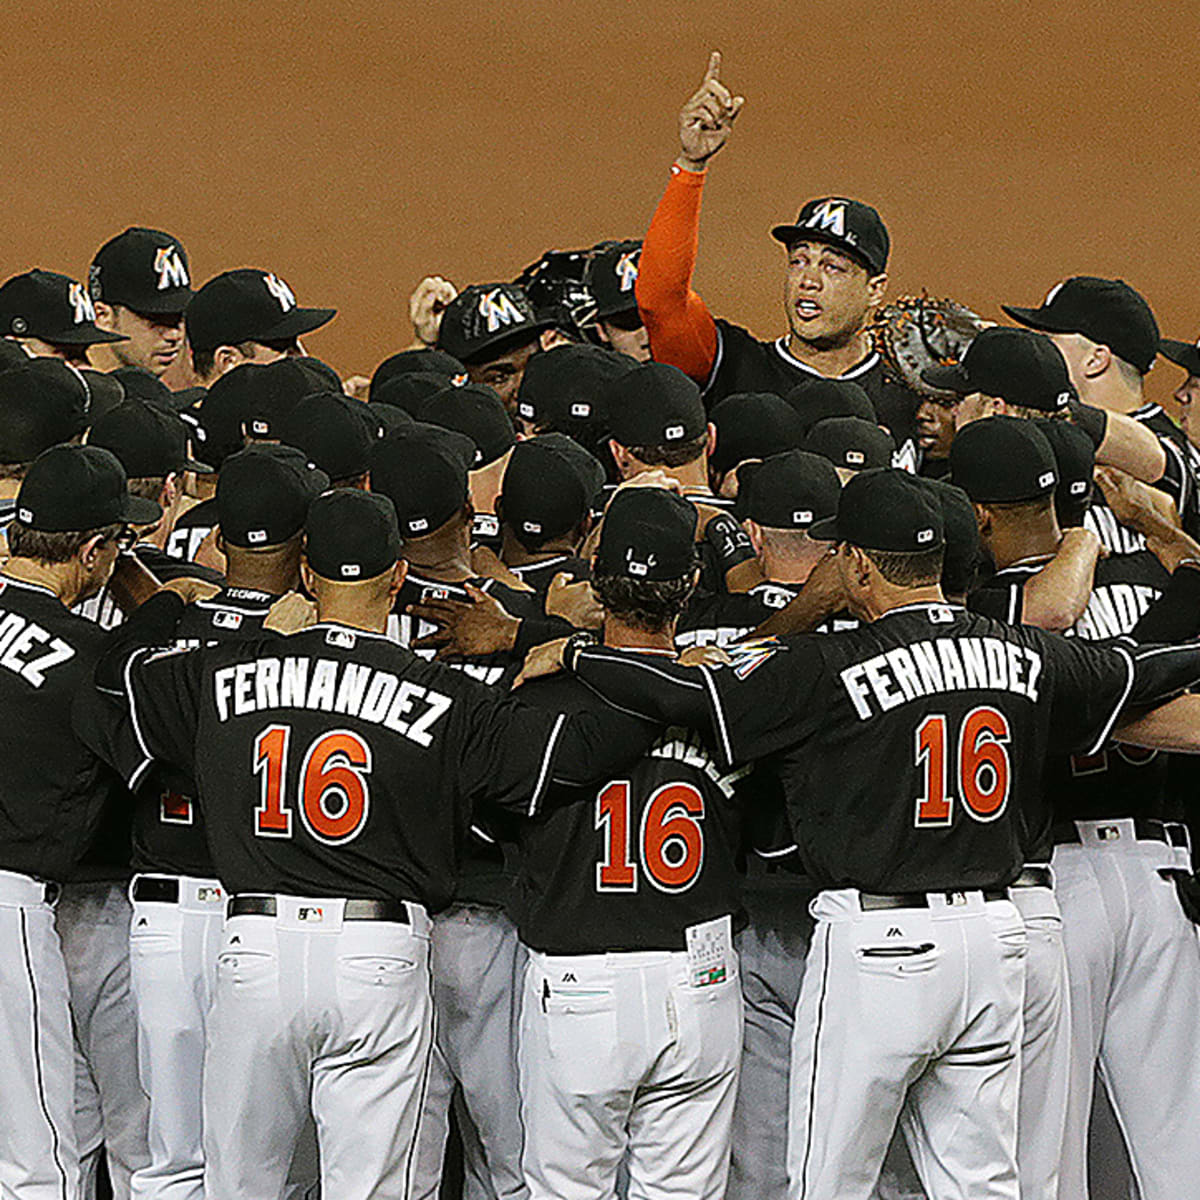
{"points": [[260, 427], [227, 620], [1046, 479], [351, 570], [343, 639], [313, 915], [581, 410], [256, 537], [924, 536], [802, 516], [855, 458], [1108, 833], [418, 525], [673, 433], [209, 895]]}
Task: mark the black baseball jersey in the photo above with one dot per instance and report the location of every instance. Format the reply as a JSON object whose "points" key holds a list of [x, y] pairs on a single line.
{"points": [[169, 835], [101, 607], [187, 536], [539, 575], [337, 763], [717, 619], [485, 531], [906, 748], [55, 789], [746, 364], [1111, 780], [640, 858]]}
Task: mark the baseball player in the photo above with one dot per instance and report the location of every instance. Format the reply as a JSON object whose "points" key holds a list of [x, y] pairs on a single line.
{"points": [[178, 902], [337, 772], [140, 284], [910, 1005], [1132, 959], [245, 316], [72, 515], [631, 1020], [336, 433], [51, 315], [836, 276], [750, 427], [611, 277], [1187, 356]]}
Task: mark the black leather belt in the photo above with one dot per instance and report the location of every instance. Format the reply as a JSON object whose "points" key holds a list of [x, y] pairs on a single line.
{"points": [[1030, 877], [874, 902], [160, 891], [355, 910], [1145, 830]]}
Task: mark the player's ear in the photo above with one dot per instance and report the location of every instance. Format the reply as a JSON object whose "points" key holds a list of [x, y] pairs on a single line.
{"points": [[106, 317], [225, 358], [1097, 362], [621, 456], [754, 533], [89, 552], [399, 575], [877, 287], [711, 444]]}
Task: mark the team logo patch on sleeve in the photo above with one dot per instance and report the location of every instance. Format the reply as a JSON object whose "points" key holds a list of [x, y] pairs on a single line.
{"points": [[747, 657]]}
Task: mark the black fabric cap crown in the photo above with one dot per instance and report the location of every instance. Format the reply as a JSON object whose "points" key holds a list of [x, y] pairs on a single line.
{"points": [[550, 484], [754, 425], [654, 405], [851, 442], [143, 269], [1018, 365], [476, 411], [885, 509], [850, 225], [72, 488], [816, 399], [248, 305], [149, 441], [333, 431], [417, 362], [1003, 460], [649, 535], [351, 535], [42, 402], [54, 308], [789, 491], [486, 319], [612, 276], [424, 473]]}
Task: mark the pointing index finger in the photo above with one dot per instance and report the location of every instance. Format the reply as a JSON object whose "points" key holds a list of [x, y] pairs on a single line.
{"points": [[714, 67]]}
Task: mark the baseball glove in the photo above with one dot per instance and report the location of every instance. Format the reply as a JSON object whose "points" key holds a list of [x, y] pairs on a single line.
{"points": [[914, 333]]}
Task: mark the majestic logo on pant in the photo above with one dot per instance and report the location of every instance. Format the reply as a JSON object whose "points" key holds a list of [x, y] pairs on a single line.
{"points": [[168, 264]]}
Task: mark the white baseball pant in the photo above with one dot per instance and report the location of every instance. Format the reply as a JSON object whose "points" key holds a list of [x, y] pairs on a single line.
{"points": [[317, 1014], [909, 1013], [622, 1057], [110, 1106], [1133, 963], [39, 1155], [478, 962]]}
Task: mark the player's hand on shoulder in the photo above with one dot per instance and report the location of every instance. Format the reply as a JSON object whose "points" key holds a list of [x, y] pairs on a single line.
{"points": [[573, 602], [357, 387], [653, 478], [466, 628], [190, 589], [541, 661], [485, 562], [426, 306], [1134, 503], [291, 613], [704, 656], [706, 120]]}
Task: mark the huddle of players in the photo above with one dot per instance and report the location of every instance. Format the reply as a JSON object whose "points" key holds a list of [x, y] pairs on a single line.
{"points": [[327, 825]]}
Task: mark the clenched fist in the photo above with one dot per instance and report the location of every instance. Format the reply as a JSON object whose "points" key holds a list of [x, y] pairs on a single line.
{"points": [[706, 119], [426, 306]]}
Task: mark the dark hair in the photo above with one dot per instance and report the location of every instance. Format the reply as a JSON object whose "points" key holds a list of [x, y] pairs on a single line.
{"points": [[673, 454], [148, 487], [907, 569], [203, 361], [1036, 414], [1037, 507], [649, 605], [14, 470], [38, 544]]}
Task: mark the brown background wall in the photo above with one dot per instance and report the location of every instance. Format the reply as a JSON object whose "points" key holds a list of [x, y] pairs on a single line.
{"points": [[355, 147]]}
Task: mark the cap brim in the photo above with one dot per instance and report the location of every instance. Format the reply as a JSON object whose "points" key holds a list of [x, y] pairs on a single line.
{"points": [[140, 511], [298, 321], [168, 304], [82, 335], [1034, 318], [950, 378], [203, 515], [790, 234], [1182, 354], [825, 531], [507, 340]]}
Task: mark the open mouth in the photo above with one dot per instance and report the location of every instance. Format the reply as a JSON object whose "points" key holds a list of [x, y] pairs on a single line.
{"points": [[806, 310]]}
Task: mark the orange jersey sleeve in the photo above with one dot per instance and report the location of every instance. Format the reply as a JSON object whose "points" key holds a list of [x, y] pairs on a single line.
{"points": [[680, 326]]}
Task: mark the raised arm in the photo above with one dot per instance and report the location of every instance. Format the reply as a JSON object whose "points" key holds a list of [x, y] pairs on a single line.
{"points": [[680, 327], [1055, 598]]}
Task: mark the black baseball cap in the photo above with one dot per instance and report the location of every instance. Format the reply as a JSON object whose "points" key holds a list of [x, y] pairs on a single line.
{"points": [[272, 391], [222, 413], [54, 308], [12, 354], [649, 535], [1003, 460], [424, 474], [556, 288], [351, 535], [248, 305], [1018, 365], [963, 553], [1108, 311], [333, 431], [612, 276], [486, 320], [138, 384], [850, 225], [885, 509], [564, 389], [72, 488], [753, 425], [263, 496], [851, 442], [550, 484], [792, 490], [391, 419], [1182, 354], [42, 403], [417, 362], [816, 399], [477, 411], [105, 392], [319, 370], [654, 405], [149, 441], [410, 390], [143, 269], [1075, 459]]}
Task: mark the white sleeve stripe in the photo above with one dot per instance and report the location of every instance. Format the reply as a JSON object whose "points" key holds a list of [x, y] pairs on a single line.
{"points": [[718, 712], [1116, 712], [778, 853], [1139, 655], [720, 354], [1014, 595], [635, 661], [547, 758], [134, 781], [131, 699]]}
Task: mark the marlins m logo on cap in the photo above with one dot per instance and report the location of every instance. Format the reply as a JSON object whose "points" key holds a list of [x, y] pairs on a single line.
{"points": [[81, 302], [281, 292], [168, 265], [497, 309], [829, 215], [627, 270]]}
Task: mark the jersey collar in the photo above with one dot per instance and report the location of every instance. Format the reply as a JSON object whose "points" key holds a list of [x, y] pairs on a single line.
{"points": [[867, 364], [12, 581], [922, 606], [338, 625]]}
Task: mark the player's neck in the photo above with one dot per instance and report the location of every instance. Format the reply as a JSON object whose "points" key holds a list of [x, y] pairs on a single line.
{"points": [[627, 637], [513, 554], [887, 597], [791, 568], [9, 488], [59, 578], [692, 476], [444, 556], [831, 361], [104, 359], [1033, 535], [1113, 393], [257, 572], [370, 618]]}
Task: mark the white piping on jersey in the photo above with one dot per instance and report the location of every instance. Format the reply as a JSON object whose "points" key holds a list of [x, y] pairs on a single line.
{"points": [[131, 699], [1116, 712], [917, 605], [537, 566], [788, 357], [367, 633], [783, 853], [714, 699], [544, 770], [13, 581]]}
